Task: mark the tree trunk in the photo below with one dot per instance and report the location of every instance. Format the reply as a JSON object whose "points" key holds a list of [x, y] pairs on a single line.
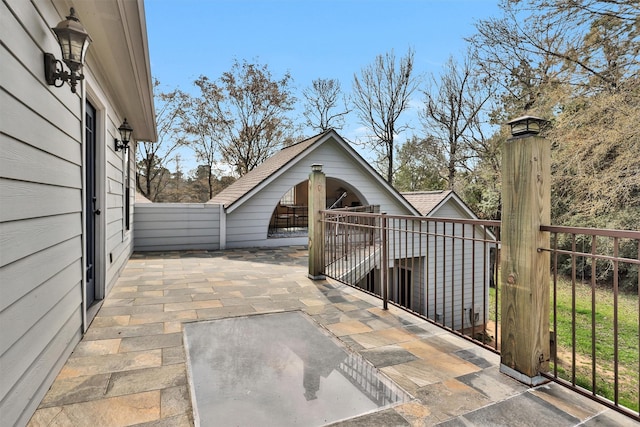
{"points": [[210, 184]]}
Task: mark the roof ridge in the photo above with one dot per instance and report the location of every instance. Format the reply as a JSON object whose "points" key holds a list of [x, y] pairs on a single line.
{"points": [[263, 171], [425, 192], [305, 140]]}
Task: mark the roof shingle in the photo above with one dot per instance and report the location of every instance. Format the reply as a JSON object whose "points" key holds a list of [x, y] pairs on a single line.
{"points": [[248, 182], [426, 201]]}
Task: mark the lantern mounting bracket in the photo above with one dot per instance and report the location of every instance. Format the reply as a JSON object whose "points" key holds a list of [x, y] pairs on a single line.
{"points": [[56, 75]]}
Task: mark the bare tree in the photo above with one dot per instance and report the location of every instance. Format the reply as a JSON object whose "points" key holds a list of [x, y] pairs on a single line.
{"points": [[381, 94], [453, 117], [257, 123], [152, 175], [602, 44], [205, 123], [321, 107], [540, 51], [577, 64], [521, 73]]}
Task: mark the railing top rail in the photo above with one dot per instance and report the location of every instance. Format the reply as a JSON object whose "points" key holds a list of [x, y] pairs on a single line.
{"points": [[629, 234], [484, 222], [343, 213], [593, 256]]}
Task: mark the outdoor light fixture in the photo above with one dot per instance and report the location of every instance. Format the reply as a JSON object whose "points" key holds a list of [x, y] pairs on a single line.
{"points": [[316, 167], [74, 41], [125, 135], [526, 125]]}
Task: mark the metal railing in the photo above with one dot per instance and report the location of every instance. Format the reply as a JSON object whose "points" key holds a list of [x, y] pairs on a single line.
{"points": [[595, 304], [444, 270]]}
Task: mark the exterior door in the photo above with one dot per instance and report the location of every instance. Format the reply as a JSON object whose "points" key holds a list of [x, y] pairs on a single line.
{"points": [[91, 207]]}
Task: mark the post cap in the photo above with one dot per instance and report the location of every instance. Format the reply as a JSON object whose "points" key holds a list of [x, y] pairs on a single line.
{"points": [[526, 125]]}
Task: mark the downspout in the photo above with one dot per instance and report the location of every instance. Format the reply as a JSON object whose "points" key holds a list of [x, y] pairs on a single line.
{"points": [[223, 227]]}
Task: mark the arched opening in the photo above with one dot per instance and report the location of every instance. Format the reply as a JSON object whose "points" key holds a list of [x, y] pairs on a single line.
{"points": [[340, 194], [291, 214], [290, 217]]}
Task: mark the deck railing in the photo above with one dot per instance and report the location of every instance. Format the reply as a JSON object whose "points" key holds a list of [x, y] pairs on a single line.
{"points": [[444, 270], [594, 314]]}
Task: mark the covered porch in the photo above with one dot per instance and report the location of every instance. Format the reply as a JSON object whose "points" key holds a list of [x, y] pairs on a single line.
{"points": [[130, 368]]}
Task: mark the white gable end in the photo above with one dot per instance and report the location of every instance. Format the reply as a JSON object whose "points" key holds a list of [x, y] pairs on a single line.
{"points": [[247, 225]]}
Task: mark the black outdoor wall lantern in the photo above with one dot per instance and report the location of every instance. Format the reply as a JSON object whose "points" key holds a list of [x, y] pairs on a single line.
{"points": [[74, 42], [125, 130], [526, 125]]}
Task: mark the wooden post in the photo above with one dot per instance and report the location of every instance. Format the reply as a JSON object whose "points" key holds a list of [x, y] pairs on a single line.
{"points": [[525, 271], [317, 203]]}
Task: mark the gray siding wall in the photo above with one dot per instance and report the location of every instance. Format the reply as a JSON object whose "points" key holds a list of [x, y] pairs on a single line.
{"points": [[456, 278], [247, 225], [458, 267], [119, 240], [40, 216], [450, 277], [41, 209], [176, 226], [448, 210]]}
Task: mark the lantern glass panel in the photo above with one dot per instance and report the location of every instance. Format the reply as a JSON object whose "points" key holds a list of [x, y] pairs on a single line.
{"points": [[74, 41], [125, 131]]}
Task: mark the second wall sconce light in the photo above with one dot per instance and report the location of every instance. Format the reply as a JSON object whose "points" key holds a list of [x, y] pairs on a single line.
{"points": [[125, 130]]}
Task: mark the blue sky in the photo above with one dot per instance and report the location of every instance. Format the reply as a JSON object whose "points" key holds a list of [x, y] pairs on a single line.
{"points": [[308, 38]]}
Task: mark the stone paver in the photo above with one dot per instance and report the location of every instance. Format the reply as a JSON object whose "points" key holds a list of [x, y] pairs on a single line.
{"points": [[130, 367]]}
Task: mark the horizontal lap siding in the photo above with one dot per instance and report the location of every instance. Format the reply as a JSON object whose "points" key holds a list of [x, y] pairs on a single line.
{"points": [[34, 358], [449, 280], [40, 213], [448, 273], [176, 227], [248, 225], [24, 162], [119, 239], [18, 198]]}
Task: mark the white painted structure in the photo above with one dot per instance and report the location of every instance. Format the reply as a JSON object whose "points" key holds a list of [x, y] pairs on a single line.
{"points": [[248, 207], [448, 275], [243, 210], [46, 301], [177, 226], [437, 265], [440, 268], [451, 275]]}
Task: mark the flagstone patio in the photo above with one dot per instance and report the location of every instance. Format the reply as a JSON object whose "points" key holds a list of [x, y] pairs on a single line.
{"points": [[130, 367]]}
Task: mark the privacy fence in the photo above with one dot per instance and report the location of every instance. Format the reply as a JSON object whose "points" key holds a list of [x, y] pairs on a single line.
{"points": [[176, 226]]}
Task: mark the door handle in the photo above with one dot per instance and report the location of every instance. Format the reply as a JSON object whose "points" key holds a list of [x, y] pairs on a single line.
{"points": [[95, 211]]}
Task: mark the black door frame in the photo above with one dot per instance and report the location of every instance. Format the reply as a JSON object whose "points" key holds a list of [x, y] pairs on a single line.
{"points": [[91, 205]]}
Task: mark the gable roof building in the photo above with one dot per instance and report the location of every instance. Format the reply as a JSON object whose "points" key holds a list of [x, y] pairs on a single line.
{"points": [[306, 152], [249, 203], [262, 173], [439, 203], [242, 215], [426, 201]]}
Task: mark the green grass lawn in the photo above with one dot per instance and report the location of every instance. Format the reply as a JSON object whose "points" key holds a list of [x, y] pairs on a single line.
{"points": [[628, 346]]}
